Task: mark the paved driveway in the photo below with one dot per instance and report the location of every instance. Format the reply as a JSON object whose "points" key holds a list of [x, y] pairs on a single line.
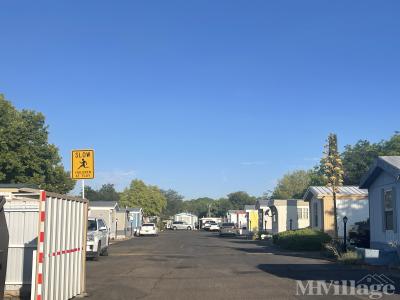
{"points": [[198, 265]]}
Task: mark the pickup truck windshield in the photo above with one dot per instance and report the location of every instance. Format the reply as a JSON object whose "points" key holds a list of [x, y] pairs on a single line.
{"points": [[92, 225]]}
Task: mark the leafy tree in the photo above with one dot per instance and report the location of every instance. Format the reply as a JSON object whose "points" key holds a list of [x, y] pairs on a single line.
{"points": [[174, 203], [90, 194], [221, 206], [199, 207], [333, 170], [26, 156], [358, 158], [292, 185], [149, 198], [240, 199], [392, 146], [107, 192]]}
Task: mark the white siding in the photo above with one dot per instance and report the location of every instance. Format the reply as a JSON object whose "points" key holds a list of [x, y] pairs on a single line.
{"points": [[378, 235], [354, 210], [187, 218]]}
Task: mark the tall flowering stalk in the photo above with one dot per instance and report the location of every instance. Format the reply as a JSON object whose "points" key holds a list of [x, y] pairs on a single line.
{"points": [[333, 171]]}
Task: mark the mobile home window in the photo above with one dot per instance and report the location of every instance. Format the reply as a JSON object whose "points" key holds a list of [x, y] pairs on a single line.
{"points": [[305, 213], [388, 204], [302, 213]]}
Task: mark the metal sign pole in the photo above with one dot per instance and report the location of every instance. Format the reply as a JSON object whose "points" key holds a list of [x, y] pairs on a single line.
{"points": [[83, 188]]}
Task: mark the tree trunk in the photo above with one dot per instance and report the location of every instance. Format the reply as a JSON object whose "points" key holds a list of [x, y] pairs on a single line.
{"points": [[335, 213]]}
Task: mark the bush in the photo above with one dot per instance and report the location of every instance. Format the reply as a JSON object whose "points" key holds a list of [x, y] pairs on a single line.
{"points": [[349, 258], [303, 239]]}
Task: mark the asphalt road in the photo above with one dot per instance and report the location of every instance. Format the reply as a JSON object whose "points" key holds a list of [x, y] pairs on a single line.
{"points": [[198, 265]]}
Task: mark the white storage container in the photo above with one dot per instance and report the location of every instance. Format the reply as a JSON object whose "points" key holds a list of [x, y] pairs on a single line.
{"points": [[47, 244]]}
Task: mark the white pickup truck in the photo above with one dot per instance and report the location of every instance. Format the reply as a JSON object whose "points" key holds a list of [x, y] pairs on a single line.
{"points": [[97, 238]]}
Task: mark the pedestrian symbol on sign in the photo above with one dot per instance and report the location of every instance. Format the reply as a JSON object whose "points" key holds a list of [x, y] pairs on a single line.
{"points": [[83, 164]]}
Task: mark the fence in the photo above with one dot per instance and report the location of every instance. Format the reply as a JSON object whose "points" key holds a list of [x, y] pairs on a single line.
{"points": [[47, 249]]}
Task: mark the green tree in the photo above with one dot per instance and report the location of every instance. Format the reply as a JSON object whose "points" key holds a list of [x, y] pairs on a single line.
{"points": [[221, 206], [26, 156], [199, 206], [292, 185], [240, 199], [149, 198], [91, 194], [333, 170], [174, 203], [107, 192], [358, 158]]}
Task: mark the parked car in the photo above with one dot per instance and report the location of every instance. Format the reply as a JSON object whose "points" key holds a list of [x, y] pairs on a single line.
{"points": [[214, 227], [148, 229], [180, 225], [359, 234], [208, 224], [97, 238], [227, 229]]}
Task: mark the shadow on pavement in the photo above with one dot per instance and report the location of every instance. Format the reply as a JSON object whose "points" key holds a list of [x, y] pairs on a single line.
{"points": [[331, 272]]}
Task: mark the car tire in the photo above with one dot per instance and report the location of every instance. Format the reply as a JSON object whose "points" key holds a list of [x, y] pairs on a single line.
{"points": [[105, 252], [174, 228], [189, 228], [96, 256]]}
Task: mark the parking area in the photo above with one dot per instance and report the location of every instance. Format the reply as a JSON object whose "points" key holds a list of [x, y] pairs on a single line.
{"points": [[201, 265]]}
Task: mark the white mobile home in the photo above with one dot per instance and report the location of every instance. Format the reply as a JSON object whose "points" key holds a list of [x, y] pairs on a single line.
{"points": [[238, 217], [188, 218], [383, 184], [289, 214], [264, 216]]}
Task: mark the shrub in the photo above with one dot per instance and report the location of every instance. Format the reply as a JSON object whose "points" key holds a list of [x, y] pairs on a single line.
{"points": [[303, 239], [349, 258]]}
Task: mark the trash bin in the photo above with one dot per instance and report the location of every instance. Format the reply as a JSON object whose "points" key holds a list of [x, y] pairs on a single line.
{"points": [[3, 246]]}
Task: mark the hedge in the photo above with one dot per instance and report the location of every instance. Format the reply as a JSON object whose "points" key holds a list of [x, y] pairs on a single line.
{"points": [[303, 239]]}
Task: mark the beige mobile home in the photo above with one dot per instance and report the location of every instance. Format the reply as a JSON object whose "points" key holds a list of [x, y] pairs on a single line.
{"points": [[351, 202]]}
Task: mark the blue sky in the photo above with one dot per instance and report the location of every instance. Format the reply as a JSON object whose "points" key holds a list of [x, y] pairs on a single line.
{"points": [[205, 97]]}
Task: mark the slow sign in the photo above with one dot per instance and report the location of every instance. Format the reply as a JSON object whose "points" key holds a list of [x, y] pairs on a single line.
{"points": [[82, 164]]}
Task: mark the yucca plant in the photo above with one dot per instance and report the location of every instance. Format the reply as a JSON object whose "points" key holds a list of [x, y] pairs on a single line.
{"points": [[333, 171]]}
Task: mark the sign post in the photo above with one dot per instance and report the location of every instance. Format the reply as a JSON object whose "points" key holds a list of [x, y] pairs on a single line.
{"points": [[82, 162]]}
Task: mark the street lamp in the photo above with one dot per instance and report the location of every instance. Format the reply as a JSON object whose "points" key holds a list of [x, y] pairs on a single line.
{"points": [[345, 219]]}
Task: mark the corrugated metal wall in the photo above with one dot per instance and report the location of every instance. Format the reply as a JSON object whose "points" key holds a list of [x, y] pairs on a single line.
{"points": [[22, 221]]}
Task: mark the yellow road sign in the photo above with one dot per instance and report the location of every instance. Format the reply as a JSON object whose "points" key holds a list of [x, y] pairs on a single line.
{"points": [[82, 164]]}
